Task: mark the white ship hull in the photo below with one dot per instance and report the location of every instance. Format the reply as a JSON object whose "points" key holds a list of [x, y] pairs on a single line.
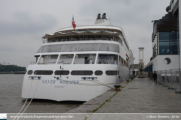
{"points": [[48, 87]]}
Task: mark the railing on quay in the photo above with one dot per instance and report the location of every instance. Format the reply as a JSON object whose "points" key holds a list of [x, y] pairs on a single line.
{"points": [[169, 78]]}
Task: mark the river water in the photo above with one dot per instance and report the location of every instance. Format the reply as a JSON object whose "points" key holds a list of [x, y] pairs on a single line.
{"points": [[11, 101]]}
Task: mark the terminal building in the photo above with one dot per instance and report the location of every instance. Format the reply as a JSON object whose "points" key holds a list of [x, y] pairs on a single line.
{"points": [[165, 41]]}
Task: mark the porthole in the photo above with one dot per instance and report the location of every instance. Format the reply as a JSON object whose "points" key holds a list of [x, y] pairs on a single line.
{"points": [[30, 72], [167, 61]]}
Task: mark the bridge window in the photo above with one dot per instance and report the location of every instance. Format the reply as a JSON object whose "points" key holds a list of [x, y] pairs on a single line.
{"points": [[66, 59], [48, 59], [85, 59], [43, 72], [79, 47], [109, 47], [82, 72], [52, 48], [70, 48], [107, 59], [88, 47]]}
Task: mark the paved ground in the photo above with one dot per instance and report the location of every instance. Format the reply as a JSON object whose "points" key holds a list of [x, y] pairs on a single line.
{"points": [[141, 95], [91, 105]]}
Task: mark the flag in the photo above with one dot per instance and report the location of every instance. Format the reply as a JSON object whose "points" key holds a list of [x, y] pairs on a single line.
{"points": [[73, 23]]}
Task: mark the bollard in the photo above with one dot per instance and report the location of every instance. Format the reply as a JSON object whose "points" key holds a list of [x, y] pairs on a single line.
{"points": [[117, 87]]}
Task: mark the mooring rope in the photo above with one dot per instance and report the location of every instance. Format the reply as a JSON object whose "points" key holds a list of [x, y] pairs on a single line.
{"points": [[30, 101], [25, 101]]}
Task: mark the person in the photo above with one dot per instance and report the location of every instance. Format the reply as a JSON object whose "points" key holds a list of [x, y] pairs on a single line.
{"points": [[155, 76], [133, 72]]}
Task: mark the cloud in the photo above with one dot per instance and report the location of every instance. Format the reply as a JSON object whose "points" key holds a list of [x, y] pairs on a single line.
{"points": [[26, 23], [23, 23]]}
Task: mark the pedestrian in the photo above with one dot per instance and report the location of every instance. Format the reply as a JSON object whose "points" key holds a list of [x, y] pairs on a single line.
{"points": [[155, 76]]}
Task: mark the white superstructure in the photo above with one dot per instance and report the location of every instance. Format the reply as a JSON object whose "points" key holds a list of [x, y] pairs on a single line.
{"points": [[79, 64]]}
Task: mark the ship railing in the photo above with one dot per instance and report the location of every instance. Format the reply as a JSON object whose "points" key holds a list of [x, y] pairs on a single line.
{"points": [[169, 78], [81, 39]]}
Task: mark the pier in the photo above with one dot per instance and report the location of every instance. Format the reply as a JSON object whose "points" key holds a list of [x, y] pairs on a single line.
{"points": [[141, 95]]}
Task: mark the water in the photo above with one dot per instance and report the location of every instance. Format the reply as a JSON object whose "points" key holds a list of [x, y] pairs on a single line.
{"points": [[11, 101]]}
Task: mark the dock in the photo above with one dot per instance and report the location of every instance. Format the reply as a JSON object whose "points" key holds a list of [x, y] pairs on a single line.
{"points": [[141, 95]]}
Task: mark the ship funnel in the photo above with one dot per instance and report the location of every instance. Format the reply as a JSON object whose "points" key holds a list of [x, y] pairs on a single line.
{"points": [[104, 16], [99, 16], [103, 20]]}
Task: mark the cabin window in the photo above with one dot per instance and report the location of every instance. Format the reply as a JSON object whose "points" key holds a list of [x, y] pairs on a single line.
{"points": [[98, 72], [66, 59], [120, 61], [82, 72], [61, 72], [48, 59], [43, 72], [109, 72], [107, 59], [85, 59], [30, 72]]}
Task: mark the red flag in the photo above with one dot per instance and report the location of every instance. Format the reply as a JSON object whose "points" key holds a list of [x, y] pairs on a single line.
{"points": [[73, 23]]}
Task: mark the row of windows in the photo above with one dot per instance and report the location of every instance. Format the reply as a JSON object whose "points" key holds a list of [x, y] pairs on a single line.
{"points": [[79, 47], [81, 59], [75, 72]]}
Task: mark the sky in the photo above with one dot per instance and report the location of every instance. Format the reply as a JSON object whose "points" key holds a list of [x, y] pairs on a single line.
{"points": [[23, 23]]}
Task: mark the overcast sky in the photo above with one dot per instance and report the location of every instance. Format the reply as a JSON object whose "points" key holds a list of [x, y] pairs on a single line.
{"points": [[23, 23]]}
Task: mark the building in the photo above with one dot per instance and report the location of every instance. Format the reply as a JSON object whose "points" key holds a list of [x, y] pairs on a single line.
{"points": [[165, 41]]}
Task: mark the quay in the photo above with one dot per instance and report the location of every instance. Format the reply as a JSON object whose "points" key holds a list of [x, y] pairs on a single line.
{"points": [[141, 95]]}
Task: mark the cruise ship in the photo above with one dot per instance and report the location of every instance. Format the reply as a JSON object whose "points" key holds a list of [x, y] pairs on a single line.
{"points": [[78, 63]]}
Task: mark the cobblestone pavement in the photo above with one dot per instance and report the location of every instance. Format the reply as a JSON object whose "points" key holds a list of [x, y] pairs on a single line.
{"points": [[141, 95]]}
